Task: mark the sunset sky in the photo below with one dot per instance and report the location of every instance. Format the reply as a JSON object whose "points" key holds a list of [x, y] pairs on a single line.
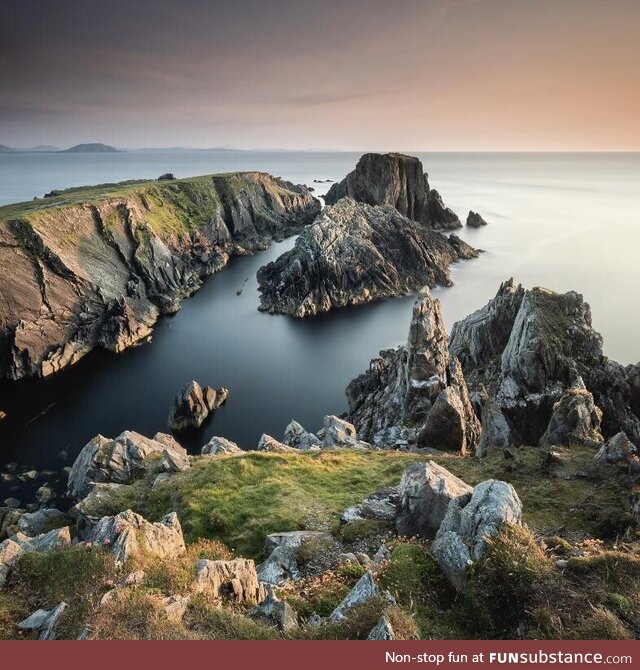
{"points": [[326, 74]]}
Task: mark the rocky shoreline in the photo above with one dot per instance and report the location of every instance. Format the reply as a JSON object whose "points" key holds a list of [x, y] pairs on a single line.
{"points": [[94, 268]]}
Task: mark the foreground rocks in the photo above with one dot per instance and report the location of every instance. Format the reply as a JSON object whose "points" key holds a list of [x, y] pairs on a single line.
{"points": [[354, 254], [44, 621], [397, 180], [417, 392], [236, 579], [193, 405], [89, 271], [469, 521], [119, 461]]}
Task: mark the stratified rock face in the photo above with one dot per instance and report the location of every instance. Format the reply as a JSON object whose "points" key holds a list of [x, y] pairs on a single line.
{"points": [[474, 220], [396, 180], [575, 421], [529, 348], [416, 391], [86, 270], [469, 521], [236, 579], [130, 535], [193, 405], [118, 461], [426, 489], [354, 254]]}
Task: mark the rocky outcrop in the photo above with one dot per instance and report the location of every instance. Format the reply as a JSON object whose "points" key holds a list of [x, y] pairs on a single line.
{"points": [[338, 433], [118, 461], [383, 630], [236, 580], [270, 444], [474, 220], [281, 564], [575, 421], [365, 589], [426, 489], [220, 446], [193, 405], [397, 180], [469, 521], [94, 269], [297, 437], [44, 621], [379, 506], [129, 535], [618, 449], [354, 254], [416, 392], [276, 611], [35, 523]]}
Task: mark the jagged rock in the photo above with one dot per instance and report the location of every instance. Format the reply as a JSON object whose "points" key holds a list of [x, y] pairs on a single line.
{"points": [[175, 461], [167, 176], [104, 274], [397, 180], [380, 506], [575, 421], [395, 398], [337, 432], [45, 494], [236, 579], [426, 489], [194, 404], [354, 254], [175, 607], [88, 511], [130, 535], [220, 446], [470, 519], [119, 461], [381, 557], [268, 443], [44, 621], [618, 449], [364, 590], [632, 378], [45, 542], [275, 610], [9, 519], [383, 630], [497, 432], [281, 564], [474, 220], [464, 250], [10, 553], [296, 436]]}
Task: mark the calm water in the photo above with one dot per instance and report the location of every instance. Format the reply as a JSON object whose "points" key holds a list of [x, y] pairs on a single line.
{"points": [[566, 221]]}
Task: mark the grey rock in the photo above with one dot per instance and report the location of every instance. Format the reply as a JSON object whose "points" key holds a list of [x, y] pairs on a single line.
{"points": [[270, 444], [299, 438], [275, 610], [474, 220], [45, 621], [340, 433], [575, 421], [175, 461], [354, 254], [130, 535], [12, 503], [383, 630], [236, 579], [45, 494], [118, 461], [175, 607], [281, 564], [469, 521], [379, 506], [497, 432], [426, 489], [618, 449], [220, 446], [364, 590], [382, 556], [10, 553], [88, 511], [193, 405]]}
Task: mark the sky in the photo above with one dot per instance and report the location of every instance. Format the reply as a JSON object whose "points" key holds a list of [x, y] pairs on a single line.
{"points": [[421, 75]]}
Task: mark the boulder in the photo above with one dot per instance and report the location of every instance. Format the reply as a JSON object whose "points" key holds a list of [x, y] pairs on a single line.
{"points": [[118, 461], [88, 511], [470, 519], [337, 433], [236, 579], [474, 220], [497, 432], [355, 254], [193, 405], [379, 506], [44, 621], [175, 607], [426, 489], [575, 421], [175, 461], [10, 553], [281, 564], [618, 449], [299, 438], [220, 446], [276, 611], [383, 630], [364, 590], [130, 535], [270, 444]]}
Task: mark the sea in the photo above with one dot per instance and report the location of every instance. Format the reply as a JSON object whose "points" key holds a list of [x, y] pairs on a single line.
{"points": [[566, 221]]}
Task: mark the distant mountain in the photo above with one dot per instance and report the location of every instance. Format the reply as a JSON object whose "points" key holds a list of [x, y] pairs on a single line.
{"points": [[42, 147], [92, 148], [4, 149]]}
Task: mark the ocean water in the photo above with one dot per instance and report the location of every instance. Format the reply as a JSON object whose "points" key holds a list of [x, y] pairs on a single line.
{"points": [[564, 221]]}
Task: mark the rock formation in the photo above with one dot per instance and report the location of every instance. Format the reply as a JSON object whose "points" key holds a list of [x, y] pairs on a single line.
{"points": [[118, 461], [236, 579], [575, 420], [88, 270], [417, 391], [353, 254], [396, 180], [474, 220], [193, 405], [220, 446]]}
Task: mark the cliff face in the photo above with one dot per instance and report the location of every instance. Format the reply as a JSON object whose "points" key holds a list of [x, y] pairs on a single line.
{"points": [[95, 267], [397, 180], [354, 254]]}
